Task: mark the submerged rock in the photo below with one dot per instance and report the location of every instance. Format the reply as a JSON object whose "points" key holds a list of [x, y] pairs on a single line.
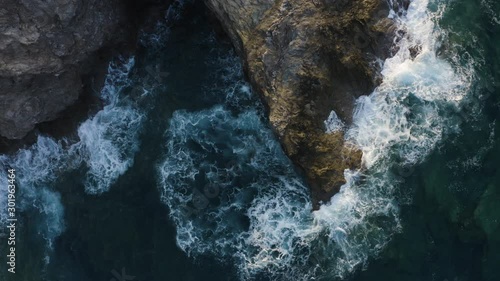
{"points": [[305, 59]]}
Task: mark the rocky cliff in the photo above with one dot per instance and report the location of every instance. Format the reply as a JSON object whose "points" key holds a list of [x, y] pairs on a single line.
{"points": [[46, 47], [305, 59]]}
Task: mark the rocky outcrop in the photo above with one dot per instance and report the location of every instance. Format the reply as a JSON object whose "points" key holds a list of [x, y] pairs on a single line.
{"points": [[306, 58], [46, 47]]}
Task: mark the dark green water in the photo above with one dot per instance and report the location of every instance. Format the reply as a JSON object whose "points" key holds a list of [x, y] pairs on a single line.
{"points": [[193, 169], [451, 230]]}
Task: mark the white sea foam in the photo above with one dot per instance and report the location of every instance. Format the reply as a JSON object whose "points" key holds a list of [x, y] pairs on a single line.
{"points": [[395, 127], [40, 163], [108, 142], [35, 167], [333, 123], [116, 80], [398, 125], [49, 205], [257, 183]]}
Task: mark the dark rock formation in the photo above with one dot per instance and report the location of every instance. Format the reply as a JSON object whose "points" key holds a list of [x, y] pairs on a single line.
{"points": [[306, 58], [47, 46]]}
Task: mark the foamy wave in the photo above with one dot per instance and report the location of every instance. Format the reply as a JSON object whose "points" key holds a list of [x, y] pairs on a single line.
{"points": [[231, 190], [281, 237], [109, 140], [396, 127], [116, 80], [107, 145], [49, 205], [404, 111], [40, 163], [35, 167], [252, 198], [261, 216], [358, 221]]}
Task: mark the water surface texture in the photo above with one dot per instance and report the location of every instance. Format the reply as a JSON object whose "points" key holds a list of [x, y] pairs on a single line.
{"points": [[179, 177]]}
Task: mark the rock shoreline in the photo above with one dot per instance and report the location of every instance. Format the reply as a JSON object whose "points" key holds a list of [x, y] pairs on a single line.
{"points": [[305, 59], [50, 51]]}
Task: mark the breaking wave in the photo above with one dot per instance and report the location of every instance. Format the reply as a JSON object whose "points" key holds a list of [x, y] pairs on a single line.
{"points": [[108, 142], [396, 127], [251, 199], [35, 168], [232, 193]]}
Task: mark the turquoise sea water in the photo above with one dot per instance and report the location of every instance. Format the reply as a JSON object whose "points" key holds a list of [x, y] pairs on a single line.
{"points": [[179, 177]]}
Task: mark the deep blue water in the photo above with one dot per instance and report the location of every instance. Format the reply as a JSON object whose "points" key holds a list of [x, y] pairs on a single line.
{"points": [[179, 177]]}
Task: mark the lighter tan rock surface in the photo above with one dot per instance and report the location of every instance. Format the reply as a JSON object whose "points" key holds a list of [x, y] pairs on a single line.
{"points": [[306, 58]]}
